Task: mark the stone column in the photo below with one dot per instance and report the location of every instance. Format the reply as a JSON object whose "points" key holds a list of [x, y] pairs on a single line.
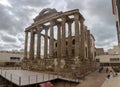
{"points": [[63, 40], [77, 37], [38, 43], [31, 55], [46, 44], [89, 44], [26, 43], [51, 43], [82, 40], [59, 41], [69, 39]]}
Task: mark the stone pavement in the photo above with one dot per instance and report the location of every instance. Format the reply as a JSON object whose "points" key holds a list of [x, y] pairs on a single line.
{"points": [[112, 82], [95, 79]]}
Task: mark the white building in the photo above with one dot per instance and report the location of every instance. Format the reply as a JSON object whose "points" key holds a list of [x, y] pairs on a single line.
{"points": [[112, 59], [10, 58], [114, 50]]}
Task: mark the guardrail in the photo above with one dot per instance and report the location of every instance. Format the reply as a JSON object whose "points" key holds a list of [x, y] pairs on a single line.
{"points": [[10, 68]]}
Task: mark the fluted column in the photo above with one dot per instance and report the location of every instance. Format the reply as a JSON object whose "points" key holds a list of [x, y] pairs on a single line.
{"points": [[38, 43], [82, 40], [46, 44], [26, 43], [51, 43], [89, 44], [69, 39], [31, 55], [59, 40], [63, 40], [77, 39]]}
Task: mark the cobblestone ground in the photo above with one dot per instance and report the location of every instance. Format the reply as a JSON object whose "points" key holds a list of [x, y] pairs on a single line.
{"points": [[95, 79]]}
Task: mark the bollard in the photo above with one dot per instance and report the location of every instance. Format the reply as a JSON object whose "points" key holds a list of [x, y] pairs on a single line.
{"points": [[28, 79], [53, 76], [11, 77], [1, 71], [43, 77], [19, 80], [48, 76], [5, 73], [36, 78]]}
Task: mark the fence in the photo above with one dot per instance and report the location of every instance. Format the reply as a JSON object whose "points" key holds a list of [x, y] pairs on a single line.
{"points": [[10, 68], [27, 77]]}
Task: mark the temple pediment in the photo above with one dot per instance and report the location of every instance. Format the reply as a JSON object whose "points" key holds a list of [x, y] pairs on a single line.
{"points": [[44, 13]]}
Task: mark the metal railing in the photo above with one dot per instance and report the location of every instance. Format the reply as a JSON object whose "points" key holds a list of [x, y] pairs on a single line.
{"points": [[10, 68], [31, 79]]}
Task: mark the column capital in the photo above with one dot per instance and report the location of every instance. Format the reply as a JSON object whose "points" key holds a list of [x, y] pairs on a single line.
{"points": [[70, 22], [52, 22], [32, 31], [38, 28], [63, 19], [76, 16], [59, 25], [81, 21], [46, 29], [26, 31]]}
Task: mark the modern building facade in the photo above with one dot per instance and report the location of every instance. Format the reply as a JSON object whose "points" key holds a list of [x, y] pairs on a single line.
{"points": [[10, 58], [111, 59], [99, 51], [114, 50]]}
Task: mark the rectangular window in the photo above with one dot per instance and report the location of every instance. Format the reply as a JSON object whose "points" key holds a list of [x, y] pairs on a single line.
{"points": [[15, 58], [97, 60], [114, 59]]}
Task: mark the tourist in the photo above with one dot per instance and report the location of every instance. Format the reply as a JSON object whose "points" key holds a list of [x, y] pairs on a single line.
{"points": [[101, 69], [107, 70], [111, 74], [108, 76]]}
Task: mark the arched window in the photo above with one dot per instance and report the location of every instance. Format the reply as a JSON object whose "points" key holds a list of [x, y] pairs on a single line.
{"points": [[73, 41], [55, 44], [66, 43], [73, 52]]}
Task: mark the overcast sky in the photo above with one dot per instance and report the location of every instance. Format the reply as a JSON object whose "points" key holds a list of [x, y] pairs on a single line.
{"points": [[16, 15]]}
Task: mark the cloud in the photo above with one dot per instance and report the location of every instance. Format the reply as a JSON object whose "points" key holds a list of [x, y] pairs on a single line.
{"points": [[32, 3], [8, 38], [16, 15], [99, 19]]}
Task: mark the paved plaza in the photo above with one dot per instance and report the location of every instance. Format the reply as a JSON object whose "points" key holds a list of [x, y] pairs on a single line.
{"points": [[112, 82], [94, 79]]}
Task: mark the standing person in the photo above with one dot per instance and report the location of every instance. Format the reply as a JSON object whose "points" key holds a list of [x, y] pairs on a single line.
{"points": [[107, 70], [111, 74], [100, 69], [108, 75]]}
